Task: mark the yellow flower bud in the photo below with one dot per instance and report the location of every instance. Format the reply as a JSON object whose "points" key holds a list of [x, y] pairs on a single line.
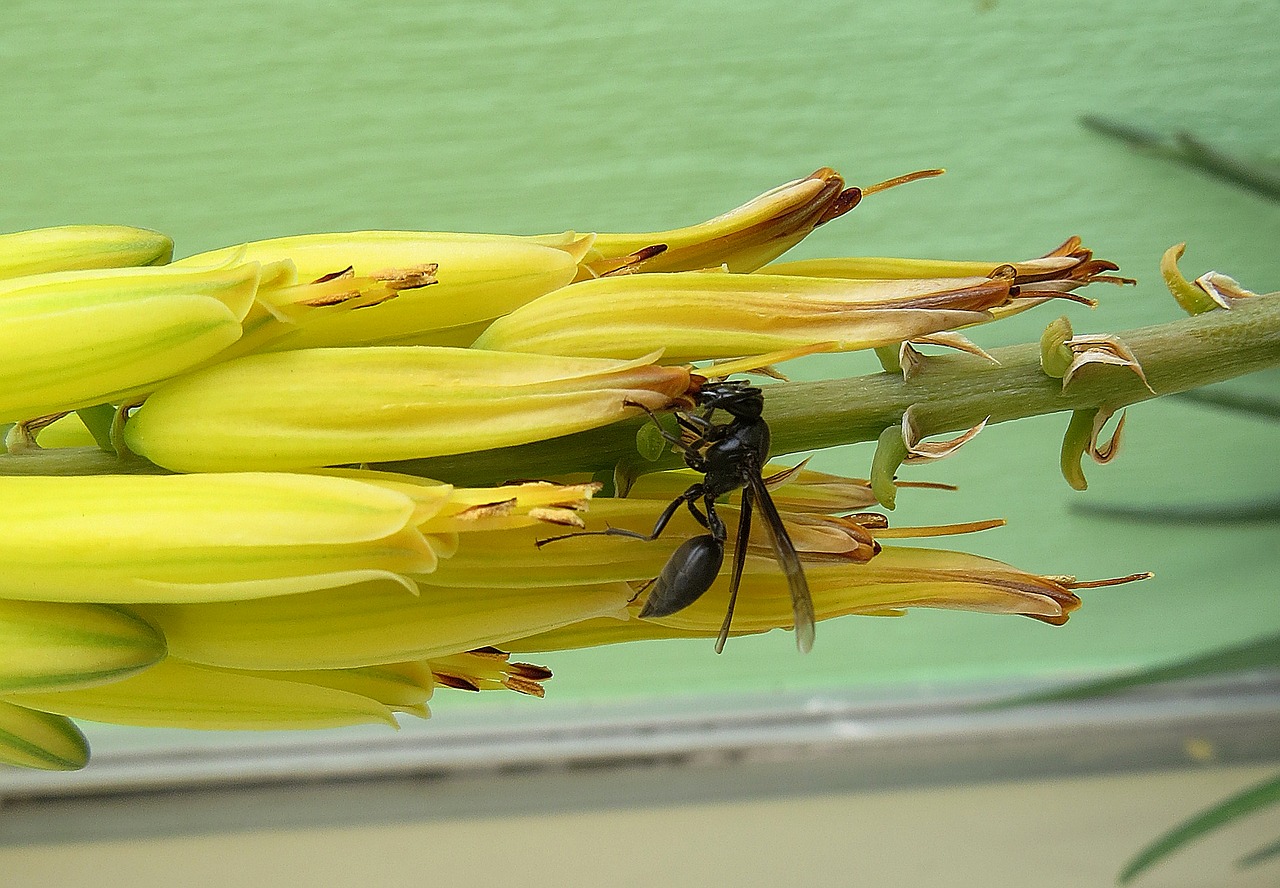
{"points": [[371, 623], [201, 537], [319, 407], [79, 338], [33, 739], [173, 694], [50, 645], [699, 315], [479, 277], [72, 247]]}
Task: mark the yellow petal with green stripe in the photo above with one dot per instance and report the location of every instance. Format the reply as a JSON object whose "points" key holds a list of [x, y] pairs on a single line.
{"points": [[75, 339], [320, 407], [50, 645], [479, 276], [30, 738], [699, 315], [174, 694], [70, 247], [201, 537], [372, 623]]}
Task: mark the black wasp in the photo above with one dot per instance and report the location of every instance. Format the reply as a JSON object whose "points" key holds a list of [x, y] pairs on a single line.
{"points": [[730, 455]]}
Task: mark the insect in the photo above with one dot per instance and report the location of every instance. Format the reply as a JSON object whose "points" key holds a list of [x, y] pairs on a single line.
{"points": [[731, 456]]}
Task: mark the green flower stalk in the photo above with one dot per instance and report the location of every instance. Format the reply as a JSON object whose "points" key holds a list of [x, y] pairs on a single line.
{"points": [[290, 580], [81, 247]]}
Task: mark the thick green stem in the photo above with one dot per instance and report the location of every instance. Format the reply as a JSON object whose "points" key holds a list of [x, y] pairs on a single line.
{"points": [[950, 393]]}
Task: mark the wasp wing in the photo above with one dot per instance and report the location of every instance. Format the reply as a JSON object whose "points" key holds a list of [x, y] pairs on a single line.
{"points": [[785, 550]]}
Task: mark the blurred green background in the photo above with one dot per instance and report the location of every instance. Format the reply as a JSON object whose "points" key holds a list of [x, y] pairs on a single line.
{"points": [[225, 121]]}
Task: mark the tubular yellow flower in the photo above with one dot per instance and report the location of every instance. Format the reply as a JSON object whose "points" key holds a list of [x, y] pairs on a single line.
{"points": [[896, 579], [744, 238], [174, 694], [320, 407], [401, 687], [201, 537], [51, 645], [522, 557], [371, 623], [699, 315], [480, 277], [1070, 261], [79, 338], [72, 247], [33, 739]]}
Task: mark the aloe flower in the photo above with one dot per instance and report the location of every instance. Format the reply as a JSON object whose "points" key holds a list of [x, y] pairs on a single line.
{"points": [[894, 581], [374, 622], [699, 315], [322, 407], [222, 537], [475, 278], [743, 239], [51, 645], [282, 583], [182, 695], [79, 338], [1069, 262], [81, 247], [201, 537], [31, 738]]}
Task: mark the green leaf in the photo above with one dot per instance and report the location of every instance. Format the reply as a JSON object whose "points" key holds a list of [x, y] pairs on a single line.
{"points": [[1223, 398], [1260, 653], [1255, 798], [1263, 854], [98, 421], [1259, 177], [649, 442]]}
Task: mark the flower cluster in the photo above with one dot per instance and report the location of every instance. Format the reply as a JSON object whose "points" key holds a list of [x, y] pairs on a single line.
{"points": [[229, 559]]}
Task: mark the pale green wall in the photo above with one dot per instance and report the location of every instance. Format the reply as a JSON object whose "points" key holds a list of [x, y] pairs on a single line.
{"points": [[225, 121]]}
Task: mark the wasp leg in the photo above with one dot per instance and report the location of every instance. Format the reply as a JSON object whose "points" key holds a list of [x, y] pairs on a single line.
{"points": [[694, 492], [739, 561]]}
